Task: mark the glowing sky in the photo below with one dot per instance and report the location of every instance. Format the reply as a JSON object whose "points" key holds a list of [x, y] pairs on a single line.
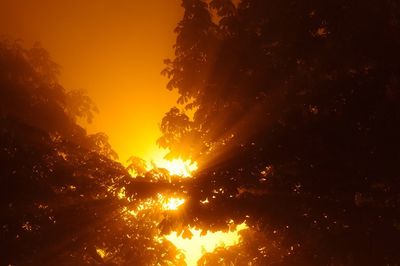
{"points": [[114, 49]]}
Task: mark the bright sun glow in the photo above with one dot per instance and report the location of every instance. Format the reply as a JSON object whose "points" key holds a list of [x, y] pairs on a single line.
{"points": [[163, 203], [200, 242], [101, 252], [177, 167], [172, 204], [195, 247]]}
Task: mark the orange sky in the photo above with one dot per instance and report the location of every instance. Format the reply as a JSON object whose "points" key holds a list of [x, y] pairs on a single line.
{"points": [[113, 49]]}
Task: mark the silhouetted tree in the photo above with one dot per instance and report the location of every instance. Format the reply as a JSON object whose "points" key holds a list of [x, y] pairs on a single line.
{"points": [[296, 112], [59, 185]]}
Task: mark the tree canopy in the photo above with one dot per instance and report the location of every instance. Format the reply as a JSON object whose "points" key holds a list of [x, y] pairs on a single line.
{"points": [[291, 108], [295, 122], [59, 185]]}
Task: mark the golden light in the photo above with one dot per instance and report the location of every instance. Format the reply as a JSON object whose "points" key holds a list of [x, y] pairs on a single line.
{"points": [[200, 242], [160, 202], [121, 193], [206, 201], [101, 252], [175, 167], [131, 49], [172, 204], [195, 247], [178, 167]]}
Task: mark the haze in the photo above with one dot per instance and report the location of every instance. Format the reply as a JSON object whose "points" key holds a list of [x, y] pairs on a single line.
{"points": [[112, 49]]}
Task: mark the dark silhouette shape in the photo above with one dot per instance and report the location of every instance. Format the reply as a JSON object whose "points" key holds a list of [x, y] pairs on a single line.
{"points": [[296, 108], [58, 185]]}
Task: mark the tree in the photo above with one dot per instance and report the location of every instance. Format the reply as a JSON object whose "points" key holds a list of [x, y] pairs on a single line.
{"points": [[58, 185], [297, 107]]}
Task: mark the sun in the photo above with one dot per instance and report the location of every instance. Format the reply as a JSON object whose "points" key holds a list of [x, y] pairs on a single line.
{"points": [[155, 158], [172, 203], [200, 243], [178, 167], [195, 242]]}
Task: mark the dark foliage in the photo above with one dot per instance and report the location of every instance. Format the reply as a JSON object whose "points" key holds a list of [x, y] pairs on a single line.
{"points": [[58, 185], [296, 123]]}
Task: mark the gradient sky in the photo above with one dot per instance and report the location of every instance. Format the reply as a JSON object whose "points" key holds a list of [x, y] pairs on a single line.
{"points": [[114, 49]]}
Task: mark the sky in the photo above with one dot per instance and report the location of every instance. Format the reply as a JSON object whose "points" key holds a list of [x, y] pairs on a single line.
{"points": [[114, 49]]}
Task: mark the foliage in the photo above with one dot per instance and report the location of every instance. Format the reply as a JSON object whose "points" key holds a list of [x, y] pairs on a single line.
{"points": [[58, 185], [296, 112]]}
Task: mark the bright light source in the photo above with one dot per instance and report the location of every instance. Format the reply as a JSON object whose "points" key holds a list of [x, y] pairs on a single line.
{"points": [[199, 244], [160, 202], [101, 252], [121, 193], [178, 166], [172, 203]]}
